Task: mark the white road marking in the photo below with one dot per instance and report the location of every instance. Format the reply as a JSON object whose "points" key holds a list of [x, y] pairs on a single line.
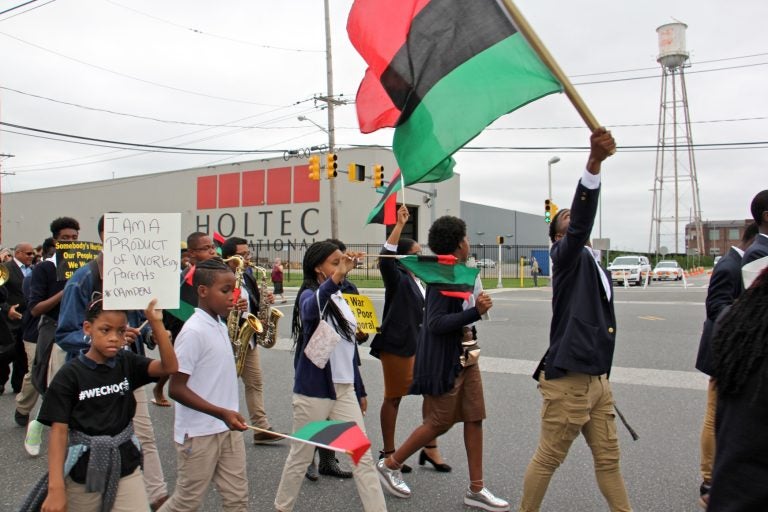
{"points": [[620, 375]]}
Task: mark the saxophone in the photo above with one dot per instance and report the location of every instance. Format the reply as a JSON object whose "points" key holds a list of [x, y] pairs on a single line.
{"points": [[240, 336], [267, 314]]}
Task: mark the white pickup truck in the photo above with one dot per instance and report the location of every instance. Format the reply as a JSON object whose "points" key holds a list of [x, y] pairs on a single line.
{"points": [[632, 268]]}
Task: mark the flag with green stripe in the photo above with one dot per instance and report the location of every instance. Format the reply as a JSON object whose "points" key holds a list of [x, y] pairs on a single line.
{"points": [[440, 71], [443, 271], [343, 436]]}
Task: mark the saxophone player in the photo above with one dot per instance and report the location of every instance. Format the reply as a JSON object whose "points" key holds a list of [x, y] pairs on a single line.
{"points": [[251, 375]]}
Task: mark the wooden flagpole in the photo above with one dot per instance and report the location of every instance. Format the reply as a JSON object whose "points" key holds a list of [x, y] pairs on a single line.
{"points": [[402, 186], [527, 31]]}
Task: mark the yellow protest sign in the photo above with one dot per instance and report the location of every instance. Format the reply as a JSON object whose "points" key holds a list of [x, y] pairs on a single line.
{"points": [[362, 308], [72, 255]]}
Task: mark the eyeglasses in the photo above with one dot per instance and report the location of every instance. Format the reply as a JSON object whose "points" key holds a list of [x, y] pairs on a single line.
{"points": [[246, 254], [32, 253], [205, 248]]}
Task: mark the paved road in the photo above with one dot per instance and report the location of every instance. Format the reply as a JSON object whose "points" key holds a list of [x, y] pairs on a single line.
{"points": [[655, 385]]}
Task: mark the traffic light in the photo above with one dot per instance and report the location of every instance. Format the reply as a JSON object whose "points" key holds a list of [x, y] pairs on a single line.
{"points": [[331, 165], [314, 168], [499, 240], [378, 175], [550, 210], [356, 172]]}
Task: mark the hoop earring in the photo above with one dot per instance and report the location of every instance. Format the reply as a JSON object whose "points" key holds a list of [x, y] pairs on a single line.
{"points": [[86, 339]]}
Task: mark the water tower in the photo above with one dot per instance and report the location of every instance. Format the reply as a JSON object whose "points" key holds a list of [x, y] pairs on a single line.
{"points": [[675, 186]]}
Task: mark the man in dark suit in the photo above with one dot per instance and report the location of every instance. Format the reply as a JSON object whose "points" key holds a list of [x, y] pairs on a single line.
{"points": [[759, 248], [725, 286], [573, 375], [11, 312]]}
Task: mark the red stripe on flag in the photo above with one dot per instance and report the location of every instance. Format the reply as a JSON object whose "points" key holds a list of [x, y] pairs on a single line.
{"points": [[380, 46], [456, 295], [190, 275], [390, 210], [353, 440], [374, 106], [446, 259], [218, 238]]}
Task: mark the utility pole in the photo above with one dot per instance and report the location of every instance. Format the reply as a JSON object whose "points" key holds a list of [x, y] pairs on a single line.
{"points": [[331, 125], [3, 156]]}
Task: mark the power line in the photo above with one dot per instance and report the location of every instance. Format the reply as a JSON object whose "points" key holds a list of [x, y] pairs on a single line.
{"points": [[216, 36], [156, 119], [657, 67], [18, 6], [132, 144], [130, 77], [629, 79]]}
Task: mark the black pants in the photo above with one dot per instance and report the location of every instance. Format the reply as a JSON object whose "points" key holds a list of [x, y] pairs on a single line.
{"points": [[15, 357]]}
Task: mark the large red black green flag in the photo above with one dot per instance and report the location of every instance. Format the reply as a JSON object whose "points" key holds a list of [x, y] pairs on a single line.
{"points": [[440, 71]]}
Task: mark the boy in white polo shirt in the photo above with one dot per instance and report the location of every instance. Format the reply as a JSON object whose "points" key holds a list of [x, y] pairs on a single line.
{"points": [[207, 427]]}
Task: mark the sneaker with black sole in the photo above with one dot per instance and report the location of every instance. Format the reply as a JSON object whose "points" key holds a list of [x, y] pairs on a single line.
{"points": [[392, 480], [484, 499]]}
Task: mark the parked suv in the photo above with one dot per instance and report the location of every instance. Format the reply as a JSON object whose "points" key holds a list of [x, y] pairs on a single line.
{"points": [[633, 268]]}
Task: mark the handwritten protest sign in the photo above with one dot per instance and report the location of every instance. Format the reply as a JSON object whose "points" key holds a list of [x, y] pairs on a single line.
{"points": [[141, 260], [362, 308], [70, 256]]}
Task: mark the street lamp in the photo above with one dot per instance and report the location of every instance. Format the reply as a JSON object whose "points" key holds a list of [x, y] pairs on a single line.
{"points": [[551, 161], [304, 118]]}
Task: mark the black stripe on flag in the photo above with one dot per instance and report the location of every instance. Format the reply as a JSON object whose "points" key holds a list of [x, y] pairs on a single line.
{"points": [[330, 433], [443, 35]]}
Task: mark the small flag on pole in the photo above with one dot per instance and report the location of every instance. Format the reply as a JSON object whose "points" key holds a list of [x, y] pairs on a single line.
{"points": [[385, 211], [443, 271], [339, 436]]}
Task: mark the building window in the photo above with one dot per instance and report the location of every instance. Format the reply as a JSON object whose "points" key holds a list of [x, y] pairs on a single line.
{"points": [[714, 234], [733, 234], [714, 251]]}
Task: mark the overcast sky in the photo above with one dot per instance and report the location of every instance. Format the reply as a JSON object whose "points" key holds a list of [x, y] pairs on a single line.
{"points": [[254, 66]]}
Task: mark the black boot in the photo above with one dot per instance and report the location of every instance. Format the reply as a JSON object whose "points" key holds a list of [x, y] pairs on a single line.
{"points": [[329, 465]]}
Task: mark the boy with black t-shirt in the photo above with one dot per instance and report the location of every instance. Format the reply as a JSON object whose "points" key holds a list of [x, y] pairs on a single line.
{"points": [[94, 457]]}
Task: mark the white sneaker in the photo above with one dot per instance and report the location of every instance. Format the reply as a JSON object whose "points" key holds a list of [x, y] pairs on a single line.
{"points": [[34, 438], [485, 500]]}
